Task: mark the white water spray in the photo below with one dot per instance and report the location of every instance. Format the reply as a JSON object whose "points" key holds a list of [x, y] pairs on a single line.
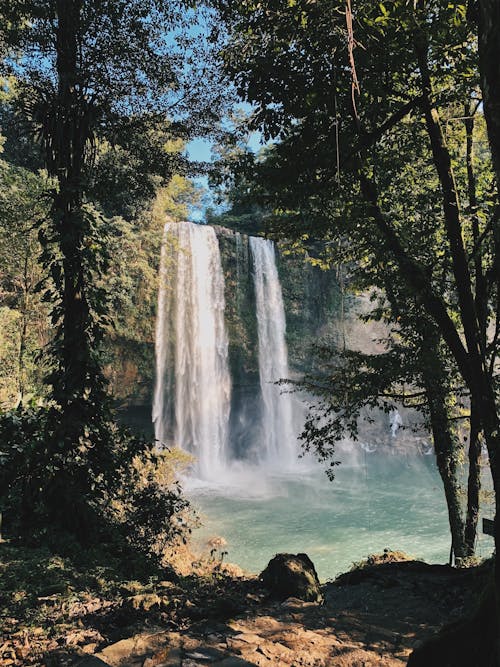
{"points": [[193, 384], [395, 421], [278, 446]]}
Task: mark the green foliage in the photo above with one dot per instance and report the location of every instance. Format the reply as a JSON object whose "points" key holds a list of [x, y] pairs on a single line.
{"points": [[22, 472], [132, 284], [149, 505], [307, 179], [9, 355], [23, 205], [128, 489], [95, 86], [127, 181], [177, 199]]}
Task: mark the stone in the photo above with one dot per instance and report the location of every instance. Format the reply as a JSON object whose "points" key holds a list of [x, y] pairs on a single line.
{"points": [[292, 576], [161, 647], [145, 601], [295, 603], [205, 655], [248, 637]]}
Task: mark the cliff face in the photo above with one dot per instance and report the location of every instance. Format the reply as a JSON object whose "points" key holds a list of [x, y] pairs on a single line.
{"points": [[311, 297], [314, 309], [312, 306]]}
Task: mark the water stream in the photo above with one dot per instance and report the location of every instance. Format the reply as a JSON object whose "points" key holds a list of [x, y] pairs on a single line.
{"points": [[278, 442], [193, 383], [376, 501]]}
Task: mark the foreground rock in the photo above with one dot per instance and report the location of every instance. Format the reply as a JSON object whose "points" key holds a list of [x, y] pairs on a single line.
{"points": [[292, 576]]}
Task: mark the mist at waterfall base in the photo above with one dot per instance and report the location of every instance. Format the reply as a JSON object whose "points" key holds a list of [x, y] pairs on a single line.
{"points": [[247, 481]]}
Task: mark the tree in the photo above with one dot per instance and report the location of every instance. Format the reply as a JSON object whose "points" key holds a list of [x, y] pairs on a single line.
{"points": [[89, 73], [22, 206], [336, 106]]}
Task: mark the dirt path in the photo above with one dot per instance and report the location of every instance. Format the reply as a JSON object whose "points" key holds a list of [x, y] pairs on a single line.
{"points": [[371, 617]]}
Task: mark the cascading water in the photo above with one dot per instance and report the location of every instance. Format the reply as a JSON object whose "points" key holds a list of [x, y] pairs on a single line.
{"points": [[230, 428], [193, 384], [278, 445]]}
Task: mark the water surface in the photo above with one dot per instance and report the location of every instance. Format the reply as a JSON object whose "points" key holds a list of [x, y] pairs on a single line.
{"points": [[376, 501]]}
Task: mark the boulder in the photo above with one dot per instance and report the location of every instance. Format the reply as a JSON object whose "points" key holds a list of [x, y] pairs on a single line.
{"points": [[292, 575]]}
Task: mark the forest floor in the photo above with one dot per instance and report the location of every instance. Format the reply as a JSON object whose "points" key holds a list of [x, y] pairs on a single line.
{"points": [[57, 611]]}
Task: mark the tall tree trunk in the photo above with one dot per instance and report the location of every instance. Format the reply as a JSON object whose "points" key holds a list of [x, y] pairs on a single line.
{"points": [[69, 142], [473, 481], [436, 384], [74, 375], [481, 302], [481, 286], [445, 445], [451, 203], [489, 67]]}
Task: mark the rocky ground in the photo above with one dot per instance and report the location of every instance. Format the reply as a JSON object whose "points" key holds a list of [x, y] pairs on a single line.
{"points": [[54, 615]]}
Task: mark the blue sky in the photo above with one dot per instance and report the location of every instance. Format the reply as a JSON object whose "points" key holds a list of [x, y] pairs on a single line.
{"points": [[200, 150]]}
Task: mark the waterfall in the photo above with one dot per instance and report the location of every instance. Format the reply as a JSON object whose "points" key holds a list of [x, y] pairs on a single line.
{"points": [[193, 384], [278, 445]]}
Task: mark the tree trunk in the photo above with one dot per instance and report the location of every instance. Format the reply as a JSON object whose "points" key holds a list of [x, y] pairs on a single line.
{"points": [[435, 381], [473, 482], [481, 287], [69, 141], [451, 204], [75, 371], [489, 68], [481, 302], [445, 444]]}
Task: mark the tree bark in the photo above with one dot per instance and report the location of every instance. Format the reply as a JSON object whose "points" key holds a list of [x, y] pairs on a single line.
{"points": [[451, 204], [76, 374], [445, 445], [68, 152], [473, 482], [481, 287], [489, 69]]}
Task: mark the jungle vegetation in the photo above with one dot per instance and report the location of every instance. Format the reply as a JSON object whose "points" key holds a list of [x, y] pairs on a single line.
{"points": [[381, 127]]}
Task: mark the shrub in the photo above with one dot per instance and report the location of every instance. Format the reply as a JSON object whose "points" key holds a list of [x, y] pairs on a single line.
{"points": [[117, 485]]}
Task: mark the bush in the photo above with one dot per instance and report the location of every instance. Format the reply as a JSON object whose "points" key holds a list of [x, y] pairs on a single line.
{"points": [[149, 506], [111, 484]]}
